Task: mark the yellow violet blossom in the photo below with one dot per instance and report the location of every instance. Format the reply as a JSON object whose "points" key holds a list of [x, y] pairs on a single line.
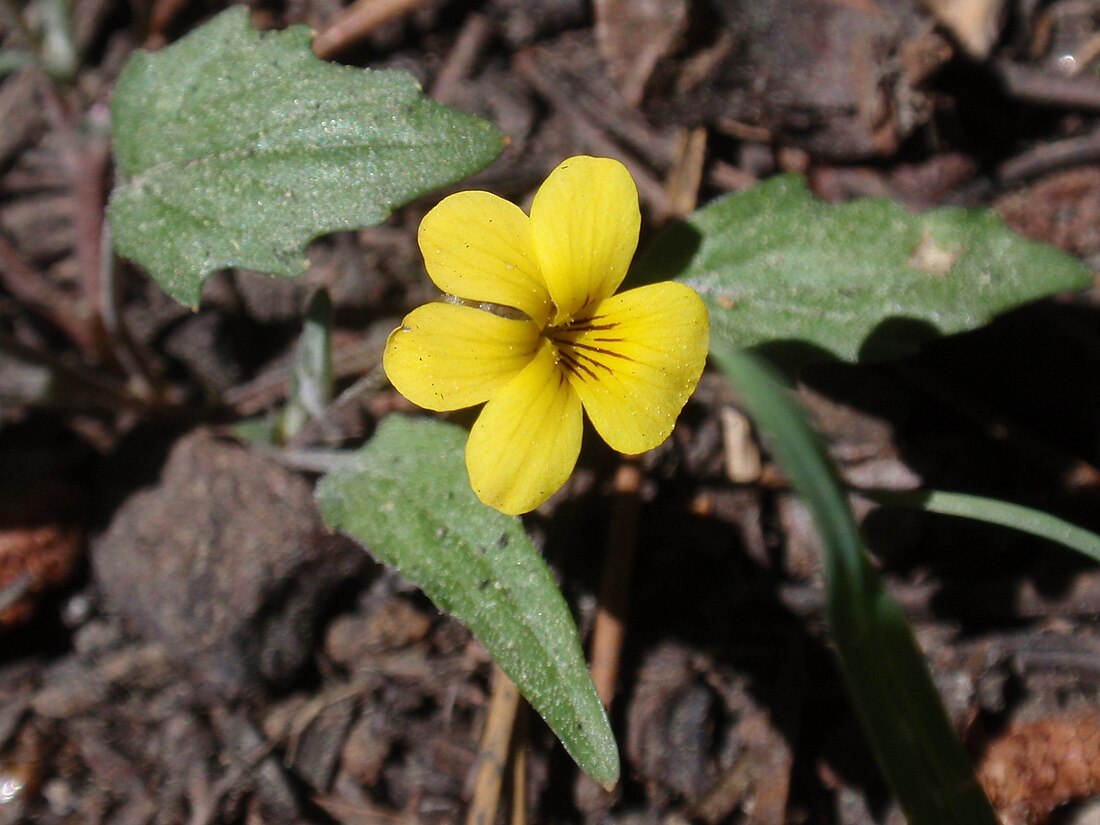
{"points": [[538, 333]]}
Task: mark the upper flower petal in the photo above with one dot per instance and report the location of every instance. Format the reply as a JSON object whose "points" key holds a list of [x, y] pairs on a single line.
{"points": [[525, 443], [584, 224], [478, 246], [635, 361], [446, 356]]}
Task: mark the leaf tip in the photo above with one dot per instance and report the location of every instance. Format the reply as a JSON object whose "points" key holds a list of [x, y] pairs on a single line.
{"points": [[600, 761]]}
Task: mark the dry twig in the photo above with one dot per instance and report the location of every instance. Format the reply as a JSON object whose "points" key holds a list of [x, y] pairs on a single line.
{"points": [[492, 756], [472, 39], [357, 22], [686, 175], [609, 627], [1032, 86], [1049, 157]]}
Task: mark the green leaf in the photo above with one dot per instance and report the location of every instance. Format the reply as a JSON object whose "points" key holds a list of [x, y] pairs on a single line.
{"points": [[407, 497], [235, 149], [883, 668], [992, 511], [864, 280]]}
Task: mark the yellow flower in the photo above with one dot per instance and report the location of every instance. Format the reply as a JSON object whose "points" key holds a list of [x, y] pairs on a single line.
{"points": [[538, 333]]}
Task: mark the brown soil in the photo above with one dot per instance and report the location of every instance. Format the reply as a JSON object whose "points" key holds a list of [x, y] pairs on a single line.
{"points": [[182, 642]]}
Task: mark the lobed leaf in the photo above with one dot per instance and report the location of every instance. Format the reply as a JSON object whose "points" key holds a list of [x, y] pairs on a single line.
{"points": [[408, 499], [236, 148], [864, 280]]}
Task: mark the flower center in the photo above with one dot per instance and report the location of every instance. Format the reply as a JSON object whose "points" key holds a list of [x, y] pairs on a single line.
{"points": [[584, 346]]}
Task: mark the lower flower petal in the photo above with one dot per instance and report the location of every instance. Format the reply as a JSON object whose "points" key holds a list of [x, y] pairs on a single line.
{"points": [[448, 356], [635, 361], [525, 443]]}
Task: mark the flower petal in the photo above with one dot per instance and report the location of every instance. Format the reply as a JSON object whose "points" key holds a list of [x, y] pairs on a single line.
{"points": [[447, 356], [584, 223], [525, 443], [635, 361], [478, 247]]}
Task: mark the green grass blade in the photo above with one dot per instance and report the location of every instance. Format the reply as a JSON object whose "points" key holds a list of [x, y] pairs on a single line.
{"points": [[311, 371], [883, 668], [992, 511]]}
